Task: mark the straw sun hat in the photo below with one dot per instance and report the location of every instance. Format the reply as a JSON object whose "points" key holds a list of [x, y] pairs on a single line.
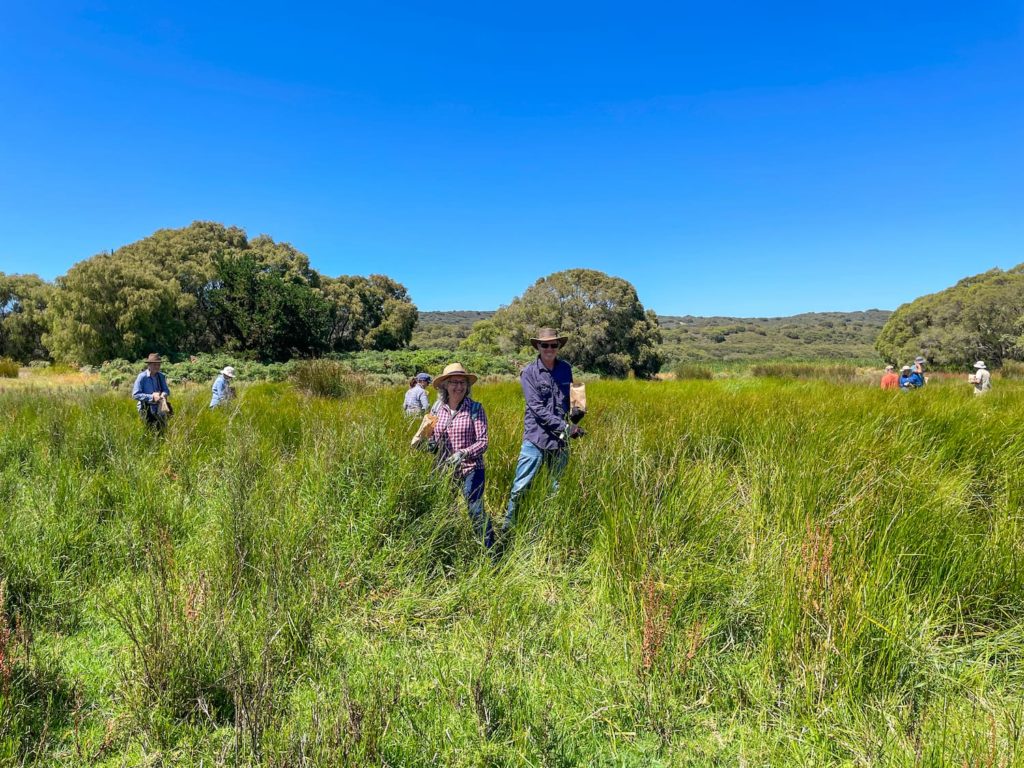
{"points": [[454, 369]]}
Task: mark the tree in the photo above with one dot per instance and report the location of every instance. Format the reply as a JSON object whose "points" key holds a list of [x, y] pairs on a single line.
{"points": [[23, 302], [265, 308], [208, 287], [109, 307], [609, 331], [980, 317], [368, 313]]}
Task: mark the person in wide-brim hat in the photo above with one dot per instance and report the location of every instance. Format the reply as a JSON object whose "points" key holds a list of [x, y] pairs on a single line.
{"points": [[454, 369], [460, 439], [548, 335]]}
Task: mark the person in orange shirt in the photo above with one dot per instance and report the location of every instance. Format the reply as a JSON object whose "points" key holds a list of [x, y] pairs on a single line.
{"points": [[890, 379]]}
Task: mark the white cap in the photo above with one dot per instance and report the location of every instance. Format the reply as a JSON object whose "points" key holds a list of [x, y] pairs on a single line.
{"points": [[229, 371], [980, 364]]}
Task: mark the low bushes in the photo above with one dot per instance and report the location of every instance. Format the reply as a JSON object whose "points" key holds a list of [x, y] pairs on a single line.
{"points": [[8, 368], [327, 378], [692, 371], [804, 371]]}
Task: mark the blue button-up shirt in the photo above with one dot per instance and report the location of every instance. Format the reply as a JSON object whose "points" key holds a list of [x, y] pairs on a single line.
{"points": [[547, 402], [221, 391], [146, 386]]}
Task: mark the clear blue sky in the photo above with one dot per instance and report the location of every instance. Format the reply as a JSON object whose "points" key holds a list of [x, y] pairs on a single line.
{"points": [[727, 158]]}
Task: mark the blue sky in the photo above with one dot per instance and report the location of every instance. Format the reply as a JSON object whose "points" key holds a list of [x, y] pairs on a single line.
{"points": [[726, 158]]}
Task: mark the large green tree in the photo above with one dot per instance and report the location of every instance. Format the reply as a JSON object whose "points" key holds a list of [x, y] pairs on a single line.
{"points": [[980, 317], [609, 330], [207, 287], [368, 313], [23, 302], [265, 308]]}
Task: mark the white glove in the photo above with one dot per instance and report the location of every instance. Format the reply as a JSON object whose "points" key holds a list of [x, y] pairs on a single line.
{"points": [[456, 459]]}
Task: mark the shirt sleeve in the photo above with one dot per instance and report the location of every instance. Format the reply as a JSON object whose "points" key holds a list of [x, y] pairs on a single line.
{"points": [[137, 393], [480, 430], [542, 411], [424, 400]]}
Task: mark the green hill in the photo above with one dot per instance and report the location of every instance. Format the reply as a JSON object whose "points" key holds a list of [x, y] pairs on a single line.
{"points": [[812, 335]]}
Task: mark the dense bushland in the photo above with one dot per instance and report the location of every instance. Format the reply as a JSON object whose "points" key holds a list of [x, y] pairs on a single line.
{"points": [[742, 571], [982, 316]]}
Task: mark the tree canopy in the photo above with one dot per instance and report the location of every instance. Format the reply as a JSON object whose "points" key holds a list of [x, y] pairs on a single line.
{"points": [[23, 302], [209, 288], [609, 331], [979, 317]]}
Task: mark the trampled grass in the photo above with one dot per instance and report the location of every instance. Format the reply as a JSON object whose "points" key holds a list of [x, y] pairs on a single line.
{"points": [[733, 572]]}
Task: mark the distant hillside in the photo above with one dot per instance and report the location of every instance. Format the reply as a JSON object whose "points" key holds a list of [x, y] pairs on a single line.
{"points": [[813, 335]]}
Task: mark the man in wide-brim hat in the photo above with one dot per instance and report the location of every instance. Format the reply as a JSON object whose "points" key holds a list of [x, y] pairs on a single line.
{"points": [[149, 390], [546, 427], [460, 439]]}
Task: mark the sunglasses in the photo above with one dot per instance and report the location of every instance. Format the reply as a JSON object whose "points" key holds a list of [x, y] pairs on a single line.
{"points": [[542, 345]]}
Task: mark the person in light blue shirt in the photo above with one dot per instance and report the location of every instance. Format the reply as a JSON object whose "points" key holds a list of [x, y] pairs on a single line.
{"points": [[222, 389], [416, 401], [150, 390]]}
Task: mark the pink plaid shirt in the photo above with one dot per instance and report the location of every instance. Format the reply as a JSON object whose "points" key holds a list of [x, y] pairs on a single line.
{"points": [[464, 430]]}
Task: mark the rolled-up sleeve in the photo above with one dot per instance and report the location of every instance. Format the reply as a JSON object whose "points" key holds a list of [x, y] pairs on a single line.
{"points": [[137, 390]]}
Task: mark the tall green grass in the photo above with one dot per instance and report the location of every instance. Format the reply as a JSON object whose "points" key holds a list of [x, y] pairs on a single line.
{"points": [[742, 571]]}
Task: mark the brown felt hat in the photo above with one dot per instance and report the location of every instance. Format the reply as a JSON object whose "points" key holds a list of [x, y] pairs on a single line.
{"points": [[548, 334], [454, 369], [154, 358]]}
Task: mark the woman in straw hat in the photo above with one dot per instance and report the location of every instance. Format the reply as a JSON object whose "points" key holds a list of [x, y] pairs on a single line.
{"points": [[460, 439]]}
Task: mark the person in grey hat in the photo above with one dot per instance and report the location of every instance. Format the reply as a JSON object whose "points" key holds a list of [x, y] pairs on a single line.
{"points": [[150, 393], [981, 378], [222, 389], [919, 369], [416, 401], [546, 425]]}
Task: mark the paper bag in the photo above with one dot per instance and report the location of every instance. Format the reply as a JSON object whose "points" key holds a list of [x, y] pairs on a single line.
{"points": [[426, 428], [577, 402]]}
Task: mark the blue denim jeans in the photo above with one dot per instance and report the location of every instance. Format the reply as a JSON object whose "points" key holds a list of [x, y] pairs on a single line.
{"points": [[531, 459], [473, 492]]}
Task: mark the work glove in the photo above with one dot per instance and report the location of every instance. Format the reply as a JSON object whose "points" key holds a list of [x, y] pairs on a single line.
{"points": [[455, 460], [572, 430]]}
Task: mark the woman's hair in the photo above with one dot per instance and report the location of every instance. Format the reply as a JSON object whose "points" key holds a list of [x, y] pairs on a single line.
{"points": [[412, 383], [442, 391]]}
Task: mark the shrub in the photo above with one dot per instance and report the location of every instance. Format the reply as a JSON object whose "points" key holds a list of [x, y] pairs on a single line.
{"points": [[8, 368], [1012, 369], [328, 378], [804, 371], [692, 371]]}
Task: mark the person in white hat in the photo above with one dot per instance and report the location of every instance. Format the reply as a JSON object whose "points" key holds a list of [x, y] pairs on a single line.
{"points": [[981, 379], [222, 389], [910, 379]]}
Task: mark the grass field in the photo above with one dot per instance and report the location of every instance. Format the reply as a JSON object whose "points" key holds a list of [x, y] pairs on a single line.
{"points": [[733, 572]]}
